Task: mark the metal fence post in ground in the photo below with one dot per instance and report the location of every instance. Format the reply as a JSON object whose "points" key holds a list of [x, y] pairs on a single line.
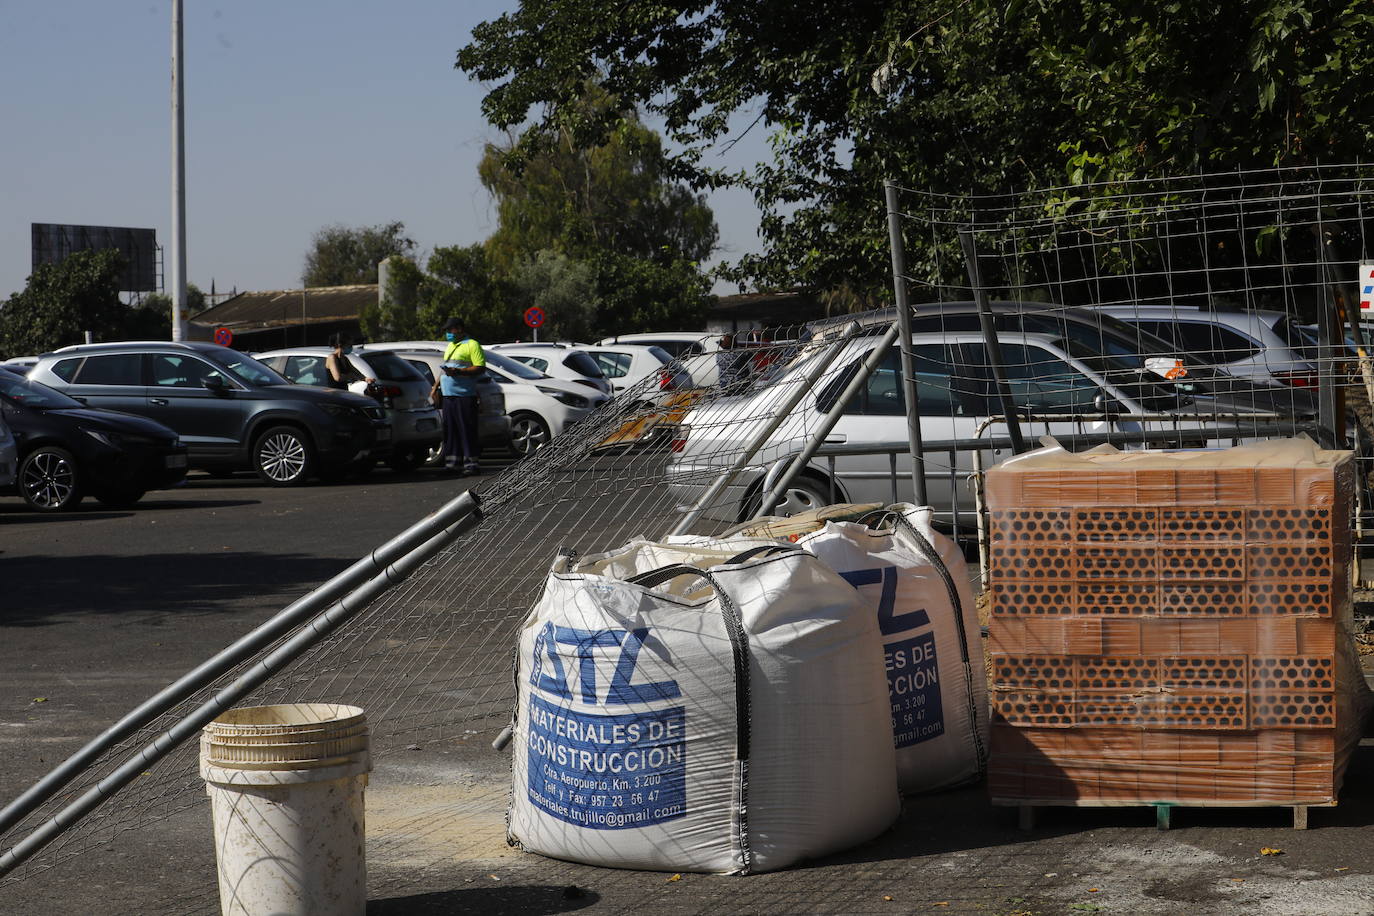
{"points": [[913, 405], [999, 377], [1329, 397]]}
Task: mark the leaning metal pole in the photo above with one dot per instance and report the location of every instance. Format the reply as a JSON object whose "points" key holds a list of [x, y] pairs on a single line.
{"points": [[999, 377], [187, 727], [259, 638], [913, 405], [828, 421], [783, 412]]}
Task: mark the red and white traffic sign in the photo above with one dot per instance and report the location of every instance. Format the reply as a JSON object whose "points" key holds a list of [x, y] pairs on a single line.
{"points": [[224, 337], [534, 316], [1366, 282]]}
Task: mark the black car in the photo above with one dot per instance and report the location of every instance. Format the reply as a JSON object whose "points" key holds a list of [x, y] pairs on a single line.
{"points": [[67, 450], [232, 412]]}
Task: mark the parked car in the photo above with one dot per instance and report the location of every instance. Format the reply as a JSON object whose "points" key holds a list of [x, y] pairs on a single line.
{"points": [[20, 364], [9, 455], [232, 412], [1155, 360], [1048, 376], [559, 361], [627, 365], [67, 450], [1255, 346], [693, 349], [416, 428], [539, 407]]}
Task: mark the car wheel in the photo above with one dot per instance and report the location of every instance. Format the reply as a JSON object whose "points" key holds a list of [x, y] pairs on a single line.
{"points": [[120, 499], [528, 434], [283, 457], [48, 480], [802, 495]]}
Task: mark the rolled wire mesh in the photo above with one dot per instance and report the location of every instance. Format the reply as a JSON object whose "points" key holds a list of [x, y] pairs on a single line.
{"points": [[432, 656]]}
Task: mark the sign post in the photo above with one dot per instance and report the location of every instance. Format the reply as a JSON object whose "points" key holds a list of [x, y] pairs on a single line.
{"points": [[534, 317]]}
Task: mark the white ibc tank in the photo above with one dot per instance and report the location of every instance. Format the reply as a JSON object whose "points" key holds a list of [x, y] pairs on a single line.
{"points": [[711, 716], [915, 583]]}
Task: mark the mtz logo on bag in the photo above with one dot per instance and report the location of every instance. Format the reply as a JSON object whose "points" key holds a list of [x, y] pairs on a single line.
{"points": [[913, 672], [592, 768], [587, 645]]}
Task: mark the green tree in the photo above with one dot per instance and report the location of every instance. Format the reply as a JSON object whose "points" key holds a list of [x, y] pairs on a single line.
{"points": [[340, 256], [951, 96], [161, 302], [566, 291], [609, 211], [63, 300]]}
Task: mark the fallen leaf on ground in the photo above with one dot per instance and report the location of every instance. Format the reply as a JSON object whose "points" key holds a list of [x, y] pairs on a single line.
{"points": [[1270, 851], [1092, 890], [677, 877], [941, 903], [887, 896], [40, 699]]}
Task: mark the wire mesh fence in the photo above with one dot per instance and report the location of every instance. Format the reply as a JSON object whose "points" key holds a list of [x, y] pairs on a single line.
{"points": [[1198, 311]]}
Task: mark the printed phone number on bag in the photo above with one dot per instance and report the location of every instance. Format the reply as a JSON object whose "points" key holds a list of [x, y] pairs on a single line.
{"points": [[913, 683], [607, 771]]}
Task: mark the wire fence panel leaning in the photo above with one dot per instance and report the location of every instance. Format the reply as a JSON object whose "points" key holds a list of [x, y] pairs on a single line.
{"points": [[1198, 311]]}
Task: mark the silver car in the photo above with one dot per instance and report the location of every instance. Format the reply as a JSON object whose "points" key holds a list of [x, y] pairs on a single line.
{"points": [[1072, 388], [402, 392]]}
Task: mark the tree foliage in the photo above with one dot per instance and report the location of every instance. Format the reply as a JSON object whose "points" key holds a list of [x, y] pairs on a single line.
{"points": [[951, 96], [340, 256], [601, 236], [63, 300]]}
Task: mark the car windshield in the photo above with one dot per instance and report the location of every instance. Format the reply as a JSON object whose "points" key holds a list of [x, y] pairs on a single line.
{"points": [[246, 369], [512, 366], [20, 390], [1138, 383]]}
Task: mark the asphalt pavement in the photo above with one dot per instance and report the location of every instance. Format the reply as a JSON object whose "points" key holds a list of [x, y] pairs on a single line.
{"points": [[102, 607]]}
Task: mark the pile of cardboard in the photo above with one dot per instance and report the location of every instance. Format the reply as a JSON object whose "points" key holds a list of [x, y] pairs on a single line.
{"points": [[1172, 627]]}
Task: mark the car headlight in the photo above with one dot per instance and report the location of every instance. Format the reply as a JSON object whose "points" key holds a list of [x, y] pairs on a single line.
{"points": [[342, 411], [566, 397]]}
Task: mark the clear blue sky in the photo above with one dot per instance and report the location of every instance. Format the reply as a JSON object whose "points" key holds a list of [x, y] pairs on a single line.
{"points": [[299, 114]]}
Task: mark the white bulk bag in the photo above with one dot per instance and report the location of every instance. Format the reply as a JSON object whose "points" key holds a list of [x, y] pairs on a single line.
{"points": [[730, 720], [915, 582]]}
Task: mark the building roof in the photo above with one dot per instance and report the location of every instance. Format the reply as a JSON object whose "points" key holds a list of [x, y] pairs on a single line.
{"points": [[287, 307]]}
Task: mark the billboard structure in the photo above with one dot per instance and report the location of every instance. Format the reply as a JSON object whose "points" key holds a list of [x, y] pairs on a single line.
{"points": [[53, 242]]}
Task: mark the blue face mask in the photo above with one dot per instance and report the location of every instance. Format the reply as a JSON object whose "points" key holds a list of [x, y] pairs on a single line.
{"points": [[450, 336]]}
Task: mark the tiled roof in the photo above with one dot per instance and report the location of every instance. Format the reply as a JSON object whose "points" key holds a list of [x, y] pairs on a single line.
{"points": [[285, 307]]}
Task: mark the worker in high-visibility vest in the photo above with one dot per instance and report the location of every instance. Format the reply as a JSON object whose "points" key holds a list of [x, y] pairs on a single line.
{"points": [[464, 364]]}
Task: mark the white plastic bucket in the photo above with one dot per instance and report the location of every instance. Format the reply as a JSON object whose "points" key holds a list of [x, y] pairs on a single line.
{"points": [[286, 790]]}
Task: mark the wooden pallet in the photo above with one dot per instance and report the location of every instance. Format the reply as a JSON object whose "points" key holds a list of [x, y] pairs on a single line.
{"points": [[1026, 811]]}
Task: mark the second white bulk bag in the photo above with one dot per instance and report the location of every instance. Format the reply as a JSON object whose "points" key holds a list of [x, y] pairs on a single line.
{"points": [[916, 585], [678, 711]]}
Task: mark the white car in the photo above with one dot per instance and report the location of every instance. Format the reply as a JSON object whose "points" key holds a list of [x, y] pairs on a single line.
{"points": [[695, 350], [1048, 376], [557, 360], [403, 392], [1262, 347], [627, 365], [539, 407]]}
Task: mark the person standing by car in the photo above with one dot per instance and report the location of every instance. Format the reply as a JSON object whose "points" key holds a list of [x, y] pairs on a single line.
{"points": [[339, 366], [464, 362], [732, 365]]}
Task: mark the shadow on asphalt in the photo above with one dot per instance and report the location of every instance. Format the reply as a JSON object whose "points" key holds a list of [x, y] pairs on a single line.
{"points": [[529, 900], [40, 590]]}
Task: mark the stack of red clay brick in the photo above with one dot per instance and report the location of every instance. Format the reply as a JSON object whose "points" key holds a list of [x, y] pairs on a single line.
{"points": [[1173, 627]]}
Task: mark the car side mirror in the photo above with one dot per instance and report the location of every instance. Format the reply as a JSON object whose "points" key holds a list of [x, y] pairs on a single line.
{"points": [[1105, 404], [214, 383]]}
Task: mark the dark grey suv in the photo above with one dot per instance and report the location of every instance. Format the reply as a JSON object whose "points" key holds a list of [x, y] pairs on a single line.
{"points": [[232, 412]]}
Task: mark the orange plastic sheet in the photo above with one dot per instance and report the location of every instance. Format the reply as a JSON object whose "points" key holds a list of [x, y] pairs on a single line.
{"points": [[1173, 626]]}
